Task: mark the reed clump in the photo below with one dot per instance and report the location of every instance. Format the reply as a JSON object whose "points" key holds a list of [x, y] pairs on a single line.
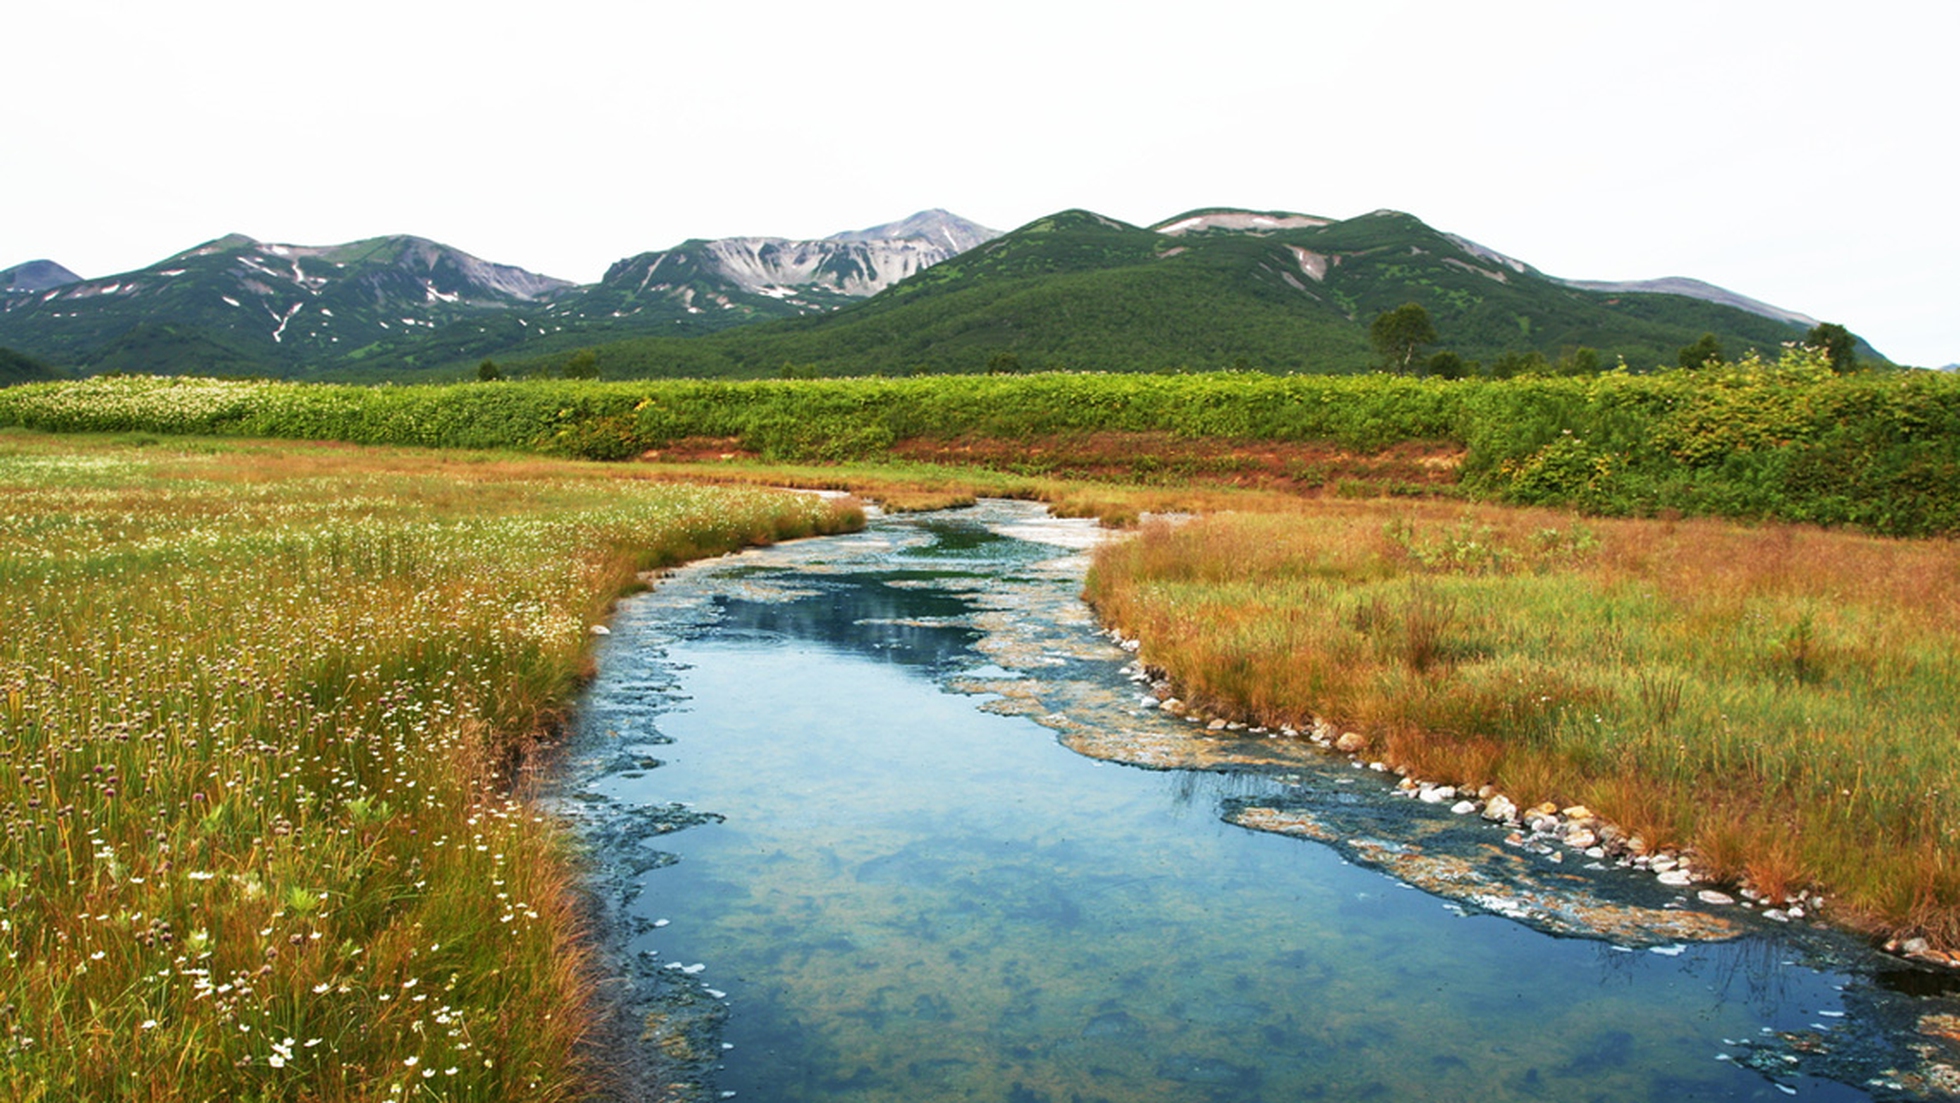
{"points": [[1781, 699], [260, 707]]}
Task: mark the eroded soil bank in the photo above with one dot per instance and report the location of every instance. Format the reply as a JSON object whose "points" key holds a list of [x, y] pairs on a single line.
{"points": [[856, 812]]}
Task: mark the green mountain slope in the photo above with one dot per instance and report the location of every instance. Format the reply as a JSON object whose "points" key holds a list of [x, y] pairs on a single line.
{"points": [[1208, 289], [18, 367], [398, 305], [1213, 288], [235, 304]]}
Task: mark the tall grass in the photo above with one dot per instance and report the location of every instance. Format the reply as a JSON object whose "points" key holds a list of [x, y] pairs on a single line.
{"points": [[260, 712], [1787, 440], [1782, 699]]}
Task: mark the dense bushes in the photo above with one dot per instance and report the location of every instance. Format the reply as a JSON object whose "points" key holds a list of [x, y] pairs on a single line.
{"points": [[1787, 440]]}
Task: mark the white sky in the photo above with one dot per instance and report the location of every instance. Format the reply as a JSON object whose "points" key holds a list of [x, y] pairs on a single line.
{"points": [[1799, 152]]}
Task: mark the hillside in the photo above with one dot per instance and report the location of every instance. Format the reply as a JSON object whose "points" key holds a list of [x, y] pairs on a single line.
{"points": [[709, 285], [1204, 290], [400, 304], [1208, 289], [16, 367], [239, 305]]}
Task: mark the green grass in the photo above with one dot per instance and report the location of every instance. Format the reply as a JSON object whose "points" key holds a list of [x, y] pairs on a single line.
{"points": [[1771, 441], [263, 713]]}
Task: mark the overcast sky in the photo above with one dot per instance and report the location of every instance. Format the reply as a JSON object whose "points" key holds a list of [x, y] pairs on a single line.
{"points": [[1801, 153]]}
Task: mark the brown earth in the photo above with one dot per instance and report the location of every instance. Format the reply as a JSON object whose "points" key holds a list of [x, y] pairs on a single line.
{"points": [[1301, 467]]}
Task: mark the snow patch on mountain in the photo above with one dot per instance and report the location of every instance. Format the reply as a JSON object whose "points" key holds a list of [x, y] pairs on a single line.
{"points": [[856, 264], [1313, 265], [1484, 272], [1242, 222], [1485, 252]]}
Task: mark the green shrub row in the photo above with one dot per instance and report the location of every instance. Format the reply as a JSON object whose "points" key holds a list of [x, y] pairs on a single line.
{"points": [[1788, 440]]}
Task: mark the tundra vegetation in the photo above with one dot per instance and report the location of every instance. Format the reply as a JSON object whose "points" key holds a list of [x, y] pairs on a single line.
{"points": [[263, 716]]}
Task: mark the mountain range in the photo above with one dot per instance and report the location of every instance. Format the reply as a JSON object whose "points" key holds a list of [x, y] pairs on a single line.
{"points": [[1210, 288]]}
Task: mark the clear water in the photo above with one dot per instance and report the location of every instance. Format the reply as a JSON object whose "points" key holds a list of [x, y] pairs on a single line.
{"points": [[915, 897]]}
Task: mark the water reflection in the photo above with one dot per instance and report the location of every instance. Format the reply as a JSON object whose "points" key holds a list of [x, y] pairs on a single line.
{"points": [[864, 615], [908, 897]]}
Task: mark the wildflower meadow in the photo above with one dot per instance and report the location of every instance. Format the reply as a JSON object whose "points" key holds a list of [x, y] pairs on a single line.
{"points": [[264, 717]]}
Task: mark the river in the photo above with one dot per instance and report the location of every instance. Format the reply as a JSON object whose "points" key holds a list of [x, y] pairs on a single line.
{"points": [[868, 823]]}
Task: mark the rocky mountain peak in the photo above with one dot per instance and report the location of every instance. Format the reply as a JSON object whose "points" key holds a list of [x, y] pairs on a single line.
{"points": [[35, 275], [940, 227]]}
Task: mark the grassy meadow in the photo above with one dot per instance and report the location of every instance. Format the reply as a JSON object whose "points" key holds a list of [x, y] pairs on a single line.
{"points": [[264, 710], [1782, 699], [261, 703], [1785, 440]]}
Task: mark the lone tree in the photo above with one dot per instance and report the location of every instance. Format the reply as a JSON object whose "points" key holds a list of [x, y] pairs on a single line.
{"points": [[1398, 334], [488, 371], [1840, 349], [584, 364], [1705, 348]]}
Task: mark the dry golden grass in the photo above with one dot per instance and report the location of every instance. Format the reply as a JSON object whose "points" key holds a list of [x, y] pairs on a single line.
{"points": [[1784, 700]]}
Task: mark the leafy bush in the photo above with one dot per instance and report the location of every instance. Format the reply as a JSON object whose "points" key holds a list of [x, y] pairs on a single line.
{"points": [[1790, 440]]}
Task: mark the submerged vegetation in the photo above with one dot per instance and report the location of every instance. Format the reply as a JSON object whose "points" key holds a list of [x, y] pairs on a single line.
{"points": [[263, 713], [1781, 699]]}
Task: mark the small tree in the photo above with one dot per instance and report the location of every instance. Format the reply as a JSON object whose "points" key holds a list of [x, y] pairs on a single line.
{"points": [[1510, 364], [1837, 345], [488, 372], [1400, 333], [1446, 365], [1003, 363], [584, 364], [1705, 349], [1578, 361]]}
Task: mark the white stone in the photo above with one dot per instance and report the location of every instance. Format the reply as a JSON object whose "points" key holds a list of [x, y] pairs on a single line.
{"points": [[1150, 702], [1464, 807], [1675, 877], [1499, 807], [1710, 896]]}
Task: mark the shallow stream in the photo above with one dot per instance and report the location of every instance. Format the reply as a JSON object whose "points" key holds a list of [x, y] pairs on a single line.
{"points": [[870, 825]]}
